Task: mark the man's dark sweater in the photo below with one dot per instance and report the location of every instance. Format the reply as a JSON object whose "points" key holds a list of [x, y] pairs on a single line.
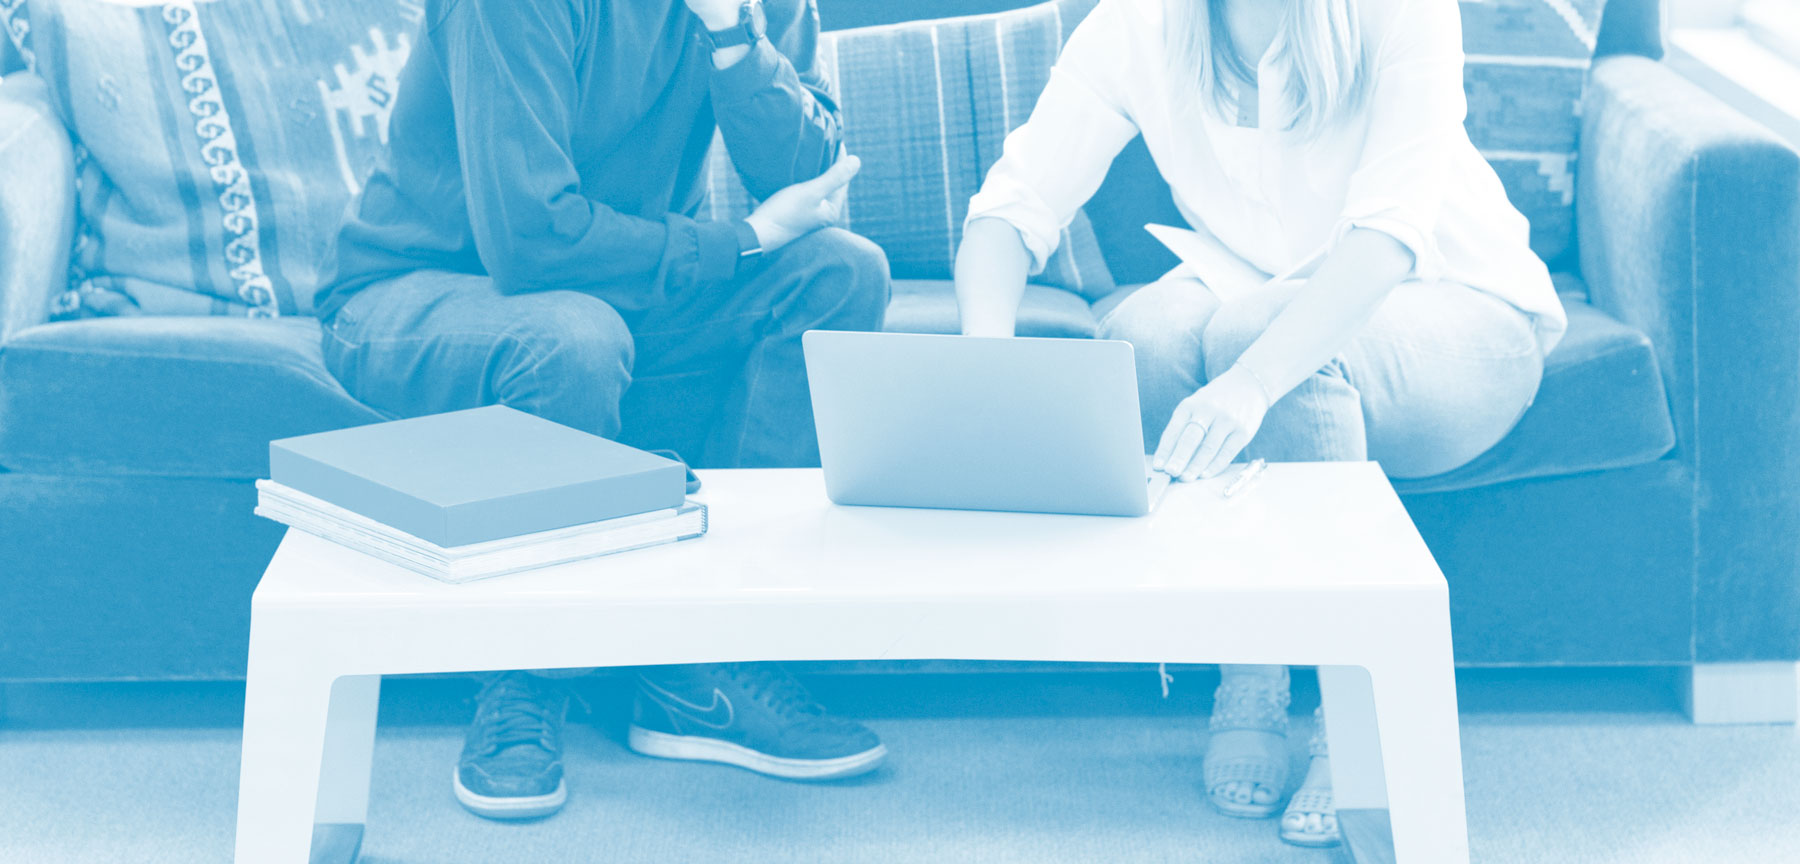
{"points": [[560, 144]]}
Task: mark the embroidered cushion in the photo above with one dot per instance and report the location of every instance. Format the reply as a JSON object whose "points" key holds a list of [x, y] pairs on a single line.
{"points": [[216, 143], [1527, 64], [926, 105]]}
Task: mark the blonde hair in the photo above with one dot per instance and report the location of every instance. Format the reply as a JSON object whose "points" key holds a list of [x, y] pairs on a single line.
{"points": [[1318, 48]]}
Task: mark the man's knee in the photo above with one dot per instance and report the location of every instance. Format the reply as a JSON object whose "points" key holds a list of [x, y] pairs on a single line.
{"points": [[849, 285], [569, 358], [581, 333]]}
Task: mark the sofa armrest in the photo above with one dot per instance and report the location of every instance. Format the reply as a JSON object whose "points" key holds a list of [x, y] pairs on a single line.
{"points": [[1689, 224], [37, 203]]}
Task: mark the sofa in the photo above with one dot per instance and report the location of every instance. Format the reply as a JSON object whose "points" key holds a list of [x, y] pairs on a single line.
{"points": [[1640, 514]]}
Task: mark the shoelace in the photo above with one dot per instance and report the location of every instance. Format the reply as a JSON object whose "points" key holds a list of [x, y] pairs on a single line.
{"points": [[774, 687], [517, 713]]}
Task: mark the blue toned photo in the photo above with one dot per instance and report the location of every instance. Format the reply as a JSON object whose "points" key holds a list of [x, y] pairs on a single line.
{"points": [[953, 430]]}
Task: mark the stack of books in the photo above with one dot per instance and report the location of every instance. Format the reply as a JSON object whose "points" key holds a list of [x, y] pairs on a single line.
{"points": [[478, 493]]}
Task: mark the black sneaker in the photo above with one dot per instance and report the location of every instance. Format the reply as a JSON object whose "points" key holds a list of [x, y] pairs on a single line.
{"points": [[511, 765], [752, 715]]}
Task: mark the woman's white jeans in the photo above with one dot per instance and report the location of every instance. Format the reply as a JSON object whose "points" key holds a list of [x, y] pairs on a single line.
{"points": [[1440, 374]]}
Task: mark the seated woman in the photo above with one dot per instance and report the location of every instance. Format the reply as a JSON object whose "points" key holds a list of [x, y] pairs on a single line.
{"points": [[1318, 139]]}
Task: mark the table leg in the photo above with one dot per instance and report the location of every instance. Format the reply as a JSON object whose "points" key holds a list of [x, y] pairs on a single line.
{"points": [[1421, 754], [343, 803], [1358, 784], [308, 737], [1356, 774]]}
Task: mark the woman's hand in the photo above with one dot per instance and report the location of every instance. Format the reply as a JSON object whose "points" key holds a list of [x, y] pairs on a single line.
{"points": [[1212, 426]]}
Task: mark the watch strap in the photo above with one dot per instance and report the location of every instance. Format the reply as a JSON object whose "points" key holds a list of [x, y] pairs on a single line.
{"points": [[745, 32], [749, 245]]}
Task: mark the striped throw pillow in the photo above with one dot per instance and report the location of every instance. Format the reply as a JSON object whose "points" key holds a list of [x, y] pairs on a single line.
{"points": [[926, 106], [1527, 64]]}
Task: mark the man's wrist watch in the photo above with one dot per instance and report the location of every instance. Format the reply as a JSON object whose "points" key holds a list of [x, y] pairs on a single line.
{"points": [[750, 28], [749, 245]]}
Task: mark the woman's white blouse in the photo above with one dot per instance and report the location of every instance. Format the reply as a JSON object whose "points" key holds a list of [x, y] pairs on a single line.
{"points": [[1403, 165]]}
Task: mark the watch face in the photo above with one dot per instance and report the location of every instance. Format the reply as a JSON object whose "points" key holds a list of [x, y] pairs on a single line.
{"points": [[755, 20]]}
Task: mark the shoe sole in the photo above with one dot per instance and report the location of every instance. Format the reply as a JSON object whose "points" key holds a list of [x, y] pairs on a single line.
{"points": [[694, 748], [1309, 841], [521, 807]]}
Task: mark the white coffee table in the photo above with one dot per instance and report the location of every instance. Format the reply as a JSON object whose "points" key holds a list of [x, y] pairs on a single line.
{"points": [[1312, 565]]}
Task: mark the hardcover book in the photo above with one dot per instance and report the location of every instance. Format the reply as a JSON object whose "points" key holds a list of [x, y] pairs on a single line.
{"points": [[477, 560], [477, 475]]}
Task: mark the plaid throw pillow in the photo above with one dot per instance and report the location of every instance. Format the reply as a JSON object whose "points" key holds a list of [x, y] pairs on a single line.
{"points": [[927, 105], [216, 143], [1527, 63]]}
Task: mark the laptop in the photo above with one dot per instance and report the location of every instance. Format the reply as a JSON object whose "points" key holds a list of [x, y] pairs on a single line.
{"points": [[972, 423]]}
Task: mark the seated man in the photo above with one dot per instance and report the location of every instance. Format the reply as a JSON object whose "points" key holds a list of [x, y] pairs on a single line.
{"points": [[530, 241]]}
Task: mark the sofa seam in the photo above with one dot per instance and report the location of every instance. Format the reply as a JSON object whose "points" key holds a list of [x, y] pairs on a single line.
{"points": [[221, 361], [1694, 405]]}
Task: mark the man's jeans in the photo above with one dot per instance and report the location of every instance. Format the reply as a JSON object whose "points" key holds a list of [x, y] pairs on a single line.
{"points": [[433, 341], [1437, 376]]}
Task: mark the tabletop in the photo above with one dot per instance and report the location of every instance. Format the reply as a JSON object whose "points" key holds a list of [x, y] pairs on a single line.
{"points": [[774, 534]]}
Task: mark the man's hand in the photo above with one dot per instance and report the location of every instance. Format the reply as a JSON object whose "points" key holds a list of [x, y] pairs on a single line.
{"points": [[1212, 426], [804, 207], [716, 14]]}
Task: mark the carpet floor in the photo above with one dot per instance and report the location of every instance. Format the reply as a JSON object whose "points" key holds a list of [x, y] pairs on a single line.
{"points": [[1569, 767]]}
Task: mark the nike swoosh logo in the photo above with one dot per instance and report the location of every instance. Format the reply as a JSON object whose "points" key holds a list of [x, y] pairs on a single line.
{"points": [[718, 715]]}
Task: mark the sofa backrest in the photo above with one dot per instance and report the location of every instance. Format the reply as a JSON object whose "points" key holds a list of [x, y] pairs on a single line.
{"points": [[217, 143]]}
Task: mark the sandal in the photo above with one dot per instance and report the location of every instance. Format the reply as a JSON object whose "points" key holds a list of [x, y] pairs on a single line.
{"points": [[1311, 817], [1247, 749]]}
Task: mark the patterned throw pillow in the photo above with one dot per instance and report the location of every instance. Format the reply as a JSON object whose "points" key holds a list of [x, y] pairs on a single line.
{"points": [[926, 105], [216, 143], [1527, 63]]}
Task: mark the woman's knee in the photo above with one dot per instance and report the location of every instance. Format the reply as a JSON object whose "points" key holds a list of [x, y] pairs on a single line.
{"points": [[1163, 321], [1230, 333], [1448, 427], [1446, 372]]}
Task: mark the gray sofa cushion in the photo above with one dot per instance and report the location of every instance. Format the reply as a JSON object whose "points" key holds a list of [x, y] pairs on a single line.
{"points": [[190, 397], [202, 397]]}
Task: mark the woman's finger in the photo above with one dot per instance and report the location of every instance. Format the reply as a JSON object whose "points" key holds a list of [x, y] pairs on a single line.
{"points": [[1208, 453], [1171, 433], [1204, 453], [1234, 444], [1185, 445]]}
